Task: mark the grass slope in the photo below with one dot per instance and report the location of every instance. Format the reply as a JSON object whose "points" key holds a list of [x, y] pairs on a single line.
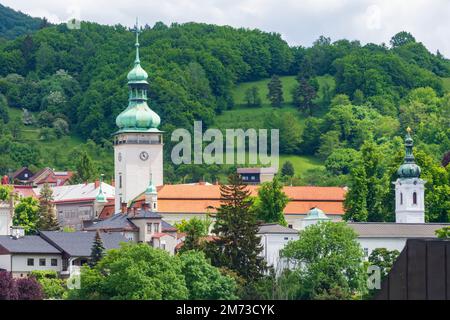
{"points": [[242, 117], [53, 151]]}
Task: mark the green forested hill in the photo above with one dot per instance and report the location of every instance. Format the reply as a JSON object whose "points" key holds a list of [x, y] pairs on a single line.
{"points": [[73, 83], [13, 23]]}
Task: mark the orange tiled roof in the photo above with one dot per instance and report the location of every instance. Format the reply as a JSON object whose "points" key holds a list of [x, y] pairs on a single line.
{"points": [[213, 192], [204, 198]]}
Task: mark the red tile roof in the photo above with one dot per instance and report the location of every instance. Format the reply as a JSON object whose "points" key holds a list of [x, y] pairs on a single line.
{"points": [[160, 235], [205, 198], [108, 210], [25, 191]]}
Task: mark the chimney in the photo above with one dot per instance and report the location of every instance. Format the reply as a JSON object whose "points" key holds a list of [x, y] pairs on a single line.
{"points": [[146, 206], [17, 232], [97, 184], [124, 208]]}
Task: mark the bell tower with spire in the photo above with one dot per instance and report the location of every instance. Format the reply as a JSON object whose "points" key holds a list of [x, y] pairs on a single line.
{"points": [[138, 144], [409, 188]]}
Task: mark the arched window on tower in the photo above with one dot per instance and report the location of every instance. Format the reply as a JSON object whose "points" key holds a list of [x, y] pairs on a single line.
{"points": [[415, 198], [401, 198]]}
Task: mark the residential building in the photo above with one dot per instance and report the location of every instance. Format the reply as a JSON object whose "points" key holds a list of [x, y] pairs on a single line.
{"points": [[76, 247], [24, 176], [21, 176], [256, 176], [143, 225], [23, 254], [392, 236], [62, 252], [273, 239], [78, 203]]}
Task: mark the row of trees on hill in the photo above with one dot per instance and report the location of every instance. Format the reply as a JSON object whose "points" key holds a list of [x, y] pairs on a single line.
{"points": [[193, 68]]}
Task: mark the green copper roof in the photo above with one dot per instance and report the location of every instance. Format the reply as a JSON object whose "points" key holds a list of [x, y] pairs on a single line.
{"points": [[151, 189], [316, 214], [409, 168], [137, 74], [137, 117], [101, 197]]}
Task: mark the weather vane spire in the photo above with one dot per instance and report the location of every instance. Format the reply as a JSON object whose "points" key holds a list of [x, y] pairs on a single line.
{"points": [[137, 31]]}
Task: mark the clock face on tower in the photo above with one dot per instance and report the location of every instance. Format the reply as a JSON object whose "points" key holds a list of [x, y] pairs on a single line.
{"points": [[144, 156]]}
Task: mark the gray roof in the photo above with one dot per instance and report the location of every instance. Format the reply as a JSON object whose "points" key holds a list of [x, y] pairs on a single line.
{"points": [[275, 228], [397, 230], [117, 221], [79, 244], [27, 244], [120, 221], [145, 214], [167, 226]]}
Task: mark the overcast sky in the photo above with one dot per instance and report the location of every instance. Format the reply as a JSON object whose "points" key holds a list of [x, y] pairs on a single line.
{"points": [[300, 22]]}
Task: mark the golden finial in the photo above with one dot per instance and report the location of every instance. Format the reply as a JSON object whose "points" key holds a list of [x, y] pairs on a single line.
{"points": [[408, 130]]}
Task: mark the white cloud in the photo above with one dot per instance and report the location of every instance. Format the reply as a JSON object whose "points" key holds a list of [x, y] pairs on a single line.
{"points": [[299, 21]]}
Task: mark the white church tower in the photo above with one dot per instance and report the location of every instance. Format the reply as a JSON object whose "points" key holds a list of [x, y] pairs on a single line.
{"points": [[409, 188], [138, 145]]}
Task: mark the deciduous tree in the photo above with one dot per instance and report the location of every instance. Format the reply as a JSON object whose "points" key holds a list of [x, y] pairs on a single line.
{"points": [[329, 260]]}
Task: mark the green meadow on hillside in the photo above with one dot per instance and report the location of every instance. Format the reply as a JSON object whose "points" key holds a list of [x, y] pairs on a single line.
{"points": [[55, 152], [288, 82], [243, 117]]}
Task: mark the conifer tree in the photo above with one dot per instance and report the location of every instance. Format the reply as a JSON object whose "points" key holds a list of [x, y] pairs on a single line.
{"points": [[98, 250], [288, 169], [303, 95], [238, 245], [275, 94], [47, 215]]}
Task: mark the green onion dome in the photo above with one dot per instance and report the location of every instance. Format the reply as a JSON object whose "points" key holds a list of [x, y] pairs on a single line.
{"points": [[316, 214], [138, 115], [137, 75], [409, 169]]}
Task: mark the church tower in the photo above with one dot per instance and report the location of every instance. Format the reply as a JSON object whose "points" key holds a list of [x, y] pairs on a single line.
{"points": [[409, 188], [138, 144]]}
